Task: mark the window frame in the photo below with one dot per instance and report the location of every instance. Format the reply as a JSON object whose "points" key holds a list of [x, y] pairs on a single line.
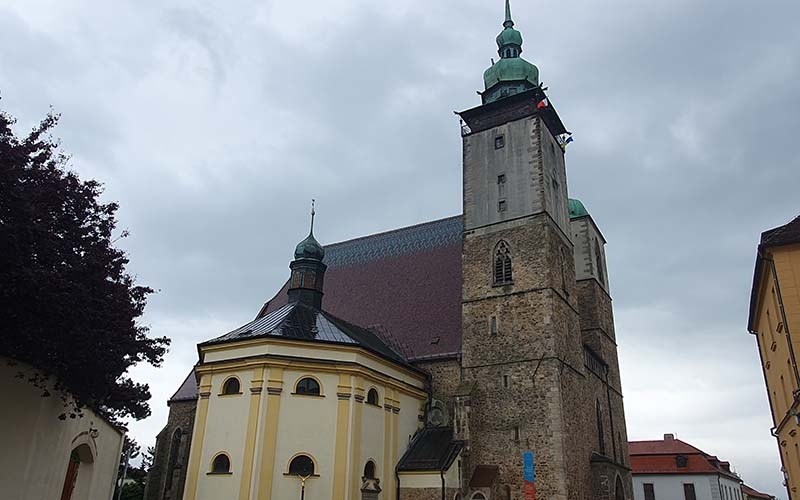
{"points": [[689, 487], [377, 403], [314, 379], [652, 495], [222, 389], [502, 264], [295, 457], [212, 469]]}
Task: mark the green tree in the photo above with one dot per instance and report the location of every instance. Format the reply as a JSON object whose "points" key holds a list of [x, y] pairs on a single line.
{"points": [[67, 305]]}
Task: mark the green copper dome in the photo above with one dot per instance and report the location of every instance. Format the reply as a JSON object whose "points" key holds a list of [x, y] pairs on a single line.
{"points": [[509, 36], [576, 209], [309, 248], [511, 74], [511, 70]]}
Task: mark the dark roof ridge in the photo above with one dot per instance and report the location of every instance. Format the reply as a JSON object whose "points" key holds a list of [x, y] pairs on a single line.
{"points": [[390, 231]]}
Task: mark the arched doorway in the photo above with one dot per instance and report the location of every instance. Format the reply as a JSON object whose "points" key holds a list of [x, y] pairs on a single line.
{"points": [[80, 459]]}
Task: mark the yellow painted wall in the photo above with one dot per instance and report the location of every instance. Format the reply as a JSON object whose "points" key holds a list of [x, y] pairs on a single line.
{"points": [[307, 424], [773, 344], [228, 414], [338, 436]]}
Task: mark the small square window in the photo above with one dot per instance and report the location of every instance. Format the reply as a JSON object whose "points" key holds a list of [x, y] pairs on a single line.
{"points": [[434, 340], [499, 141], [501, 206], [501, 179]]}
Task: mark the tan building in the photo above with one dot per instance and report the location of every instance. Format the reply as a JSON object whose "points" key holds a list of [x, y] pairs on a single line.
{"points": [[45, 457], [775, 322]]}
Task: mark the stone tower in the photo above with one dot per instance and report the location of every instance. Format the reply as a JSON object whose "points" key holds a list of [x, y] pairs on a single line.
{"points": [[528, 387]]}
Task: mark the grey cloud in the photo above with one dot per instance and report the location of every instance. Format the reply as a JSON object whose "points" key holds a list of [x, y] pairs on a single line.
{"points": [[214, 126]]}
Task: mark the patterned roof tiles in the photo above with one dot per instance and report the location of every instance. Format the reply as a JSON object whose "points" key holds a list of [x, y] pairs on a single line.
{"points": [[404, 283]]}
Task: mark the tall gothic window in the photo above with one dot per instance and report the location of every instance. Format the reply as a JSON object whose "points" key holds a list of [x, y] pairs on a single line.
{"points": [[601, 438], [172, 462], [502, 264], [599, 257]]}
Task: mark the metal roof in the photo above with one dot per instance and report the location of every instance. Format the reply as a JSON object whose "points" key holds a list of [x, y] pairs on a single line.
{"points": [[299, 321]]}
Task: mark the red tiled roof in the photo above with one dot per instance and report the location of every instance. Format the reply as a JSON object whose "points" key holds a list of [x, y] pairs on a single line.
{"points": [[660, 457], [754, 493], [405, 284], [665, 446], [666, 464]]}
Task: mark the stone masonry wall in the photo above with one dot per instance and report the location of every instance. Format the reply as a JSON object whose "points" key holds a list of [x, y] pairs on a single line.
{"points": [[181, 416], [445, 377]]}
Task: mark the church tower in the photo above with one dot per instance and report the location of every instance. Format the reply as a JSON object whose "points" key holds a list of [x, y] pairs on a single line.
{"points": [[526, 397]]}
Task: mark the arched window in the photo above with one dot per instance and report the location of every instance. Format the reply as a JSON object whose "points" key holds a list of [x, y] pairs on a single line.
{"points": [[601, 438], [307, 386], [599, 258], [619, 494], [302, 466], [372, 397], [172, 461], [478, 496], [502, 264], [369, 470], [231, 386], [221, 464]]}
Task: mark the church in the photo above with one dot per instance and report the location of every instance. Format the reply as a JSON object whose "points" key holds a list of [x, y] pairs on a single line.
{"points": [[469, 358]]}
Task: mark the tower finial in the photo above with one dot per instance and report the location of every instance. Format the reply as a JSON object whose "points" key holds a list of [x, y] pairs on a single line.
{"points": [[508, 22], [312, 216]]}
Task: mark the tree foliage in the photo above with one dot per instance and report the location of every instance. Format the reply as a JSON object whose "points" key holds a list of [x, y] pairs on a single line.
{"points": [[67, 305]]}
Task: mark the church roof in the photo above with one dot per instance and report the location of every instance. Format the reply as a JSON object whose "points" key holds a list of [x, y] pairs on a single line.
{"points": [[300, 321], [405, 284], [188, 389], [433, 449]]}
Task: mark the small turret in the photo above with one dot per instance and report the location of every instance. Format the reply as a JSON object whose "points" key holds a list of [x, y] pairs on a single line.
{"points": [[308, 270]]}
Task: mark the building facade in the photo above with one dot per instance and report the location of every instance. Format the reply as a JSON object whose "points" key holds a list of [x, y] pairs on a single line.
{"points": [[774, 321], [671, 469], [472, 357], [47, 457]]}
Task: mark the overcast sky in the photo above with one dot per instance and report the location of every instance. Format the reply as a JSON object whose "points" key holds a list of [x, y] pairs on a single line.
{"points": [[214, 123]]}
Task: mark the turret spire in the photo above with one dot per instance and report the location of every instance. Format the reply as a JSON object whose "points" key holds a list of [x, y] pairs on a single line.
{"points": [[312, 217], [509, 23]]}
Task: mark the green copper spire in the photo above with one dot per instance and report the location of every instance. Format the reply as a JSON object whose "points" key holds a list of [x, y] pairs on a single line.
{"points": [[310, 248], [511, 74]]}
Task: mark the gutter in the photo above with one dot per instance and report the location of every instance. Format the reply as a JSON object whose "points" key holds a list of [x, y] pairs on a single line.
{"points": [[397, 481]]}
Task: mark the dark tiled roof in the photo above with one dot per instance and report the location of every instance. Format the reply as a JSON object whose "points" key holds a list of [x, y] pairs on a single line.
{"points": [[786, 234], [432, 449], [783, 235], [188, 389], [299, 321], [405, 284]]}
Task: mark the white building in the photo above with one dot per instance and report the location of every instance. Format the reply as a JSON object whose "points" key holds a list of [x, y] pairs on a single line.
{"points": [[671, 469], [47, 458]]}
